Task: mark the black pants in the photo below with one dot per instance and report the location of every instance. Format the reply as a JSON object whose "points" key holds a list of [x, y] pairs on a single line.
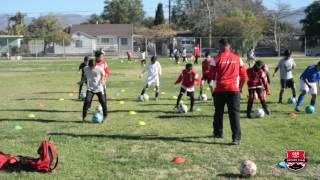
{"points": [[232, 99], [196, 60], [88, 101]]}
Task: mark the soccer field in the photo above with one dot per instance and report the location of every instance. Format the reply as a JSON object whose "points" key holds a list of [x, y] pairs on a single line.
{"points": [[120, 148]]}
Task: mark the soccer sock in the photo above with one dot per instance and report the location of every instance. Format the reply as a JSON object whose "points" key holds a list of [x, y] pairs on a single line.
{"points": [[313, 102], [280, 95], [293, 92], [265, 107], [179, 98], [191, 102], [80, 89], [249, 107], [300, 100]]}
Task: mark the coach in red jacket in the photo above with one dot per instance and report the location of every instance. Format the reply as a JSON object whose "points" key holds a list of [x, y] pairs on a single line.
{"points": [[229, 72]]}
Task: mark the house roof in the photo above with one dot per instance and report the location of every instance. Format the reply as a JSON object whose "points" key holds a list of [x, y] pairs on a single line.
{"points": [[104, 29]]}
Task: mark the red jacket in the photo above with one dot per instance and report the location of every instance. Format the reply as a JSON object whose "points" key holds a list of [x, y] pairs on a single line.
{"points": [[101, 63], [187, 79], [257, 79], [196, 51], [206, 69], [228, 70]]}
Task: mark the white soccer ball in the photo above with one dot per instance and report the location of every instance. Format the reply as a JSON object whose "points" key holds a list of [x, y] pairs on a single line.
{"points": [[183, 108], [99, 109], [146, 97], [259, 113], [203, 97], [248, 168]]}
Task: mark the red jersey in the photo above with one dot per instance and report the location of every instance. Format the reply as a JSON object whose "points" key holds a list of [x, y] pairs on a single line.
{"points": [[206, 69], [257, 79], [196, 51], [227, 69], [187, 79], [101, 63]]}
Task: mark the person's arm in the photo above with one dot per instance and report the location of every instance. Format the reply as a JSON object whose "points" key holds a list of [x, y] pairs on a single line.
{"points": [[243, 76], [307, 82], [107, 72], [275, 71], [160, 70], [212, 70], [263, 77], [179, 80]]}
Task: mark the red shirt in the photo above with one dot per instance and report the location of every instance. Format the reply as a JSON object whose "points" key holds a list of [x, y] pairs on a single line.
{"points": [[257, 79], [187, 79], [227, 69], [101, 63], [196, 51], [206, 69]]}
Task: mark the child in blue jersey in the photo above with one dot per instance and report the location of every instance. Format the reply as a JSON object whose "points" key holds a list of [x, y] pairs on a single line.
{"points": [[308, 83]]}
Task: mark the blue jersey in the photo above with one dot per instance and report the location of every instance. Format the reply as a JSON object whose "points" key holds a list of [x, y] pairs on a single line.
{"points": [[311, 73]]}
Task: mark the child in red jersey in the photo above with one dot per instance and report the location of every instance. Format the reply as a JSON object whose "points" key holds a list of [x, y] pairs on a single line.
{"points": [[257, 82], [187, 78], [206, 74]]}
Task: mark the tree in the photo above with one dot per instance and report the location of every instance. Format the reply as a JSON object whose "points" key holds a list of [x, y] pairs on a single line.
{"points": [[244, 26], [48, 29], [311, 23], [123, 11], [16, 24], [159, 18], [95, 19], [148, 22]]}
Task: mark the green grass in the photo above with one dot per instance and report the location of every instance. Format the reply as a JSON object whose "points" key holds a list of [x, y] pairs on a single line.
{"points": [[121, 149]]}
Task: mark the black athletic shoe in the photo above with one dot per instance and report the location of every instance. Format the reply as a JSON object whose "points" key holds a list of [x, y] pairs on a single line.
{"points": [[236, 142], [217, 136]]}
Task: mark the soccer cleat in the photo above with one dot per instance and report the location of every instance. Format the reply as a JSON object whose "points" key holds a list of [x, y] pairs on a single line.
{"points": [[297, 109], [157, 99], [217, 136], [267, 111]]}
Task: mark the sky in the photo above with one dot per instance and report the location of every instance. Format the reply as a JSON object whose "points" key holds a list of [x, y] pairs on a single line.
{"points": [[39, 7]]}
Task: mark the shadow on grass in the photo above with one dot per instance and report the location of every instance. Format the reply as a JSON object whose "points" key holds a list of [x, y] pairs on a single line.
{"points": [[187, 139], [38, 110], [52, 92], [41, 99], [230, 175], [171, 116], [38, 120], [140, 111]]}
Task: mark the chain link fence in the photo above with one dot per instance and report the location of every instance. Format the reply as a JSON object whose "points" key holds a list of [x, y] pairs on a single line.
{"points": [[17, 48]]}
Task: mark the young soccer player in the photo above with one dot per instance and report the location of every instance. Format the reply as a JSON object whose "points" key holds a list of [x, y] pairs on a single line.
{"points": [[184, 54], [187, 78], [143, 58], [102, 63], [153, 78], [129, 55], [257, 82], [251, 56], [83, 79], [308, 83], [196, 53], [95, 82], [206, 73], [176, 53], [286, 66]]}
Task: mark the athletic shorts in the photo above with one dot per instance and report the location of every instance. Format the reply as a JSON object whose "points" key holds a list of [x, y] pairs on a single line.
{"points": [[205, 79], [304, 87], [189, 93], [153, 82], [287, 83], [83, 80]]}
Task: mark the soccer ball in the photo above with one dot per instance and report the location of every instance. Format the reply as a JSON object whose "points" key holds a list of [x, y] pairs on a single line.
{"points": [[183, 108], [310, 109], [97, 118], [99, 109], [248, 168], [203, 97], [83, 96], [291, 100], [259, 113], [146, 97]]}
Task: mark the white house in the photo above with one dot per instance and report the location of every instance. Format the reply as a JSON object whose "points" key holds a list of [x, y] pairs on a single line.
{"points": [[114, 39]]}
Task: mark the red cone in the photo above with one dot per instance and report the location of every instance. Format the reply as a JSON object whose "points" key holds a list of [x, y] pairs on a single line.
{"points": [[178, 160]]}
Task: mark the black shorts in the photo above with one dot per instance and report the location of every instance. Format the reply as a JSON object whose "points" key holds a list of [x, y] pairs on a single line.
{"points": [[287, 83], [205, 79], [183, 91]]}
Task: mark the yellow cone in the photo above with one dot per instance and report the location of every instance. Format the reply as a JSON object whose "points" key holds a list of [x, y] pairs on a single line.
{"points": [[142, 123], [132, 113], [121, 102], [31, 116]]}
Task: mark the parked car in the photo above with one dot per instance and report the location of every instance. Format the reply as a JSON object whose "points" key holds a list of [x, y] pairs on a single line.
{"points": [[265, 52], [212, 51]]}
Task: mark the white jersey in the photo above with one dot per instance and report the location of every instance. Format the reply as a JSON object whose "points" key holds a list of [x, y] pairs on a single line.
{"points": [[153, 73], [143, 55], [286, 66], [184, 53], [94, 78]]}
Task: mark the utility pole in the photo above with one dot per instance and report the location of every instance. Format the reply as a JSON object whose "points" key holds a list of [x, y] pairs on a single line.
{"points": [[169, 12]]}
